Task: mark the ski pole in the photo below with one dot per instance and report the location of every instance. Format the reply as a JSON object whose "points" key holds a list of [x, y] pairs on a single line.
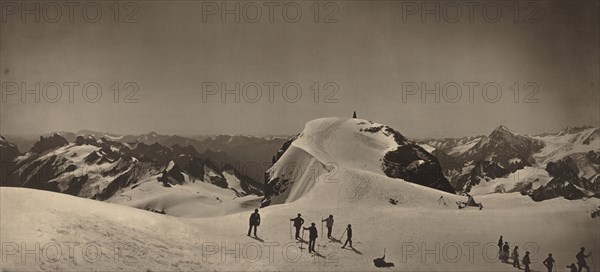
{"points": [[302, 240], [321, 225], [291, 237], [343, 234]]}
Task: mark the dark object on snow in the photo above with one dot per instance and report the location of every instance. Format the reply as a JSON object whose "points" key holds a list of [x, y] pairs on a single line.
{"points": [[312, 237], [470, 203], [329, 224], [526, 261], [348, 231], [354, 115], [549, 262], [595, 213], [516, 258], [381, 263], [298, 222], [254, 222], [393, 201], [581, 262]]}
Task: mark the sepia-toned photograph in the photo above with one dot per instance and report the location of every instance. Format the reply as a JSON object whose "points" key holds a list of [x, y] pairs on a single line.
{"points": [[300, 135]]}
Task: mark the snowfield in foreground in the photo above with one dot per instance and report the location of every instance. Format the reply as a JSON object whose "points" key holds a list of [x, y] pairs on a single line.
{"points": [[80, 234]]}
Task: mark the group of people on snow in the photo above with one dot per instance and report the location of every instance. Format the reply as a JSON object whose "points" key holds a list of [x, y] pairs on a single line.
{"points": [[313, 233], [504, 249]]}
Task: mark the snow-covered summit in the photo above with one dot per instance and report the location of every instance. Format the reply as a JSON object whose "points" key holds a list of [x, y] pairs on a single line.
{"points": [[332, 150]]}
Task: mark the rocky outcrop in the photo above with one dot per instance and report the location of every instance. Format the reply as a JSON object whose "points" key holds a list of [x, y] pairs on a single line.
{"points": [[49, 143], [413, 164], [483, 171], [567, 180], [8, 153]]}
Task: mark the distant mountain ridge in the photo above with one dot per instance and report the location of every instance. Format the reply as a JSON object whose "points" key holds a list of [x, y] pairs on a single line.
{"points": [[251, 155], [103, 169], [472, 161]]}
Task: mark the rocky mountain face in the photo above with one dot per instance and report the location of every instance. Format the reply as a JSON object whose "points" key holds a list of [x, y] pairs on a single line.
{"points": [[99, 168], [249, 155], [412, 163], [472, 161], [49, 143], [569, 179], [8, 153]]}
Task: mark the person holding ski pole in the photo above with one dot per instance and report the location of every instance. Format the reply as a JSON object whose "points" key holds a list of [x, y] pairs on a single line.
{"points": [[348, 236], [312, 237], [298, 222], [329, 224]]}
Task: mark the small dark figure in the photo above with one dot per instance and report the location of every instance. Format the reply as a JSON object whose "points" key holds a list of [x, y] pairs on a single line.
{"points": [[573, 267], [298, 222], [526, 261], [380, 262], [505, 252], [480, 206], [312, 237], [581, 262], [516, 257], [348, 236], [549, 262], [470, 201], [254, 222], [329, 224], [500, 243]]}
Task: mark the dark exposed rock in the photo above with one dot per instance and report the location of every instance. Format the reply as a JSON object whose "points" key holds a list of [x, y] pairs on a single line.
{"points": [[566, 181], [49, 143], [8, 153], [482, 171], [413, 164]]}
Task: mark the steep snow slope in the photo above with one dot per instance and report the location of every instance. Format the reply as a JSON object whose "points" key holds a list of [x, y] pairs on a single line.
{"points": [[567, 142], [331, 150], [514, 182], [153, 242]]}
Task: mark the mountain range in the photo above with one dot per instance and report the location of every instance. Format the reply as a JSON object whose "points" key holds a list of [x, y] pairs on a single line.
{"points": [[545, 166], [150, 171]]}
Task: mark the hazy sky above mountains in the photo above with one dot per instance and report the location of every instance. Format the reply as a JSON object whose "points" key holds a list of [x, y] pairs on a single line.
{"points": [[369, 55]]}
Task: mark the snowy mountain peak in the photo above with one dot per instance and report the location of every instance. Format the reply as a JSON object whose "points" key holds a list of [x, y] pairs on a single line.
{"points": [[347, 151], [573, 130], [502, 130]]}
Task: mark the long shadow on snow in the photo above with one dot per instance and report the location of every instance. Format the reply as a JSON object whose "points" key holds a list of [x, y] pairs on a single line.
{"points": [[258, 239], [353, 249]]}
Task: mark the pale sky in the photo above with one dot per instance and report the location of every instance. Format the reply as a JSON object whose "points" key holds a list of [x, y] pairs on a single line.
{"points": [[369, 54]]}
